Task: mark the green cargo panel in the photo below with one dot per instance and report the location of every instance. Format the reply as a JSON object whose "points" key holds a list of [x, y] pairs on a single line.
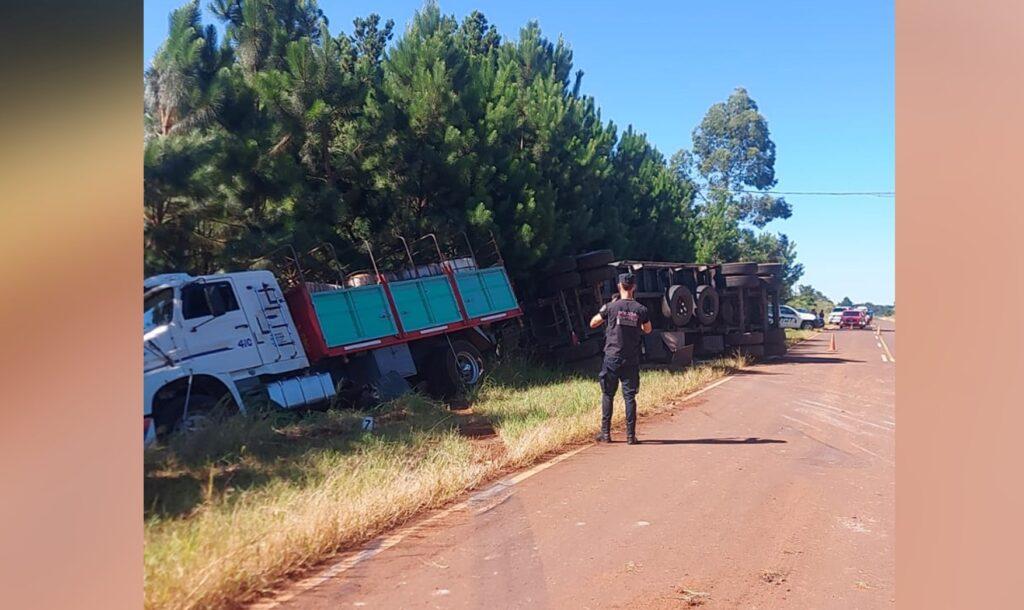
{"points": [[486, 291], [425, 302], [352, 315]]}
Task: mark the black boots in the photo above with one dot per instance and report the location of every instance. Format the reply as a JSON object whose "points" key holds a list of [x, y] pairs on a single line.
{"points": [[631, 435], [604, 437]]}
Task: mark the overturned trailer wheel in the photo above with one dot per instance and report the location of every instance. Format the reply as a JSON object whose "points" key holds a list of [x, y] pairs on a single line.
{"points": [[678, 304], [706, 305]]}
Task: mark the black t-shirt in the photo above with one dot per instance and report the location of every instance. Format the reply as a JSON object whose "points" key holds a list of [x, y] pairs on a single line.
{"points": [[622, 336]]}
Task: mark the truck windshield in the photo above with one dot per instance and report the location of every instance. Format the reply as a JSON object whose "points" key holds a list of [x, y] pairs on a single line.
{"points": [[157, 308]]}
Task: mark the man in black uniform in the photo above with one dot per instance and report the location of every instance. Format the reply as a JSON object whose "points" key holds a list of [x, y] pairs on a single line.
{"points": [[627, 320]]}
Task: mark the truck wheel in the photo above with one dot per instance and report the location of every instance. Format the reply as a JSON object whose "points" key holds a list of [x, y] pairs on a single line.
{"points": [[742, 281], [202, 409], [597, 275], [596, 258], [706, 305], [678, 304], [563, 281], [456, 367], [562, 264], [739, 269]]}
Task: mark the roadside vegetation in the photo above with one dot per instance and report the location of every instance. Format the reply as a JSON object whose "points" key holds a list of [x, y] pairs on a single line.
{"points": [[289, 132], [796, 335], [232, 511]]}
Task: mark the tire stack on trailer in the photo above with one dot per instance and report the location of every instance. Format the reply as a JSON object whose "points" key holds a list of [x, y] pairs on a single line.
{"points": [[744, 308]]}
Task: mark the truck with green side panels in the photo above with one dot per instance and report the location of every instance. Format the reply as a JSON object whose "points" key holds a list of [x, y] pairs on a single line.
{"points": [[225, 338]]}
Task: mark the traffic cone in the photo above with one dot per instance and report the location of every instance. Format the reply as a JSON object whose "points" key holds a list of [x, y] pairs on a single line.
{"points": [[832, 343]]}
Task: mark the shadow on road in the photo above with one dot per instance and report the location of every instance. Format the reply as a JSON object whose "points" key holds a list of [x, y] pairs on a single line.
{"points": [[753, 440], [811, 360]]}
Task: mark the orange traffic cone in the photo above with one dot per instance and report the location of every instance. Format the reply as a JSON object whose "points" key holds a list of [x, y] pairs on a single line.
{"points": [[832, 343]]}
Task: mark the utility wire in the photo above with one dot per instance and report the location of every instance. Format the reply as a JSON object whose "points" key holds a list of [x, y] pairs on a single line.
{"points": [[816, 193]]}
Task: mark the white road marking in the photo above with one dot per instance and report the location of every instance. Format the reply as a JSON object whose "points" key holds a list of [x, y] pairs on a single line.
{"points": [[884, 359], [384, 543], [885, 346]]}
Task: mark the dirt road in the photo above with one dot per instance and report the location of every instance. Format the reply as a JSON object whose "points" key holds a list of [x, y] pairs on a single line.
{"points": [[774, 489]]}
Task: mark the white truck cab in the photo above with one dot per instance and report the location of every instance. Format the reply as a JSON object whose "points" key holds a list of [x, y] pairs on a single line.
{"points": [[204, 336]]}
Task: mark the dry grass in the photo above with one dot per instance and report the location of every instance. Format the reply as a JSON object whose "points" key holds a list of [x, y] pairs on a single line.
{"points": [[795, 335], [233, 511]]}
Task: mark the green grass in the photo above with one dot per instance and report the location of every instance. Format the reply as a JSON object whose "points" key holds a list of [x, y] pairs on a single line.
{"points": [[233, 511]]}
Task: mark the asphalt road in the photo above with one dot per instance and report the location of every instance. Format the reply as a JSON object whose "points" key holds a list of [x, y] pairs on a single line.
{"points": [[775, 489]]}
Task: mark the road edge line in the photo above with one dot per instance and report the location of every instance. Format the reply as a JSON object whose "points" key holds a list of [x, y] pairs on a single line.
{"points": [[885, 346]]}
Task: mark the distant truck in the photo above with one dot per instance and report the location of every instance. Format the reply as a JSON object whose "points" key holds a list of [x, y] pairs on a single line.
{"points": [[229, 337]]}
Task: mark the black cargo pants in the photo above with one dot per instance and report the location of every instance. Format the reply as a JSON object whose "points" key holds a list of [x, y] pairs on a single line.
{"points": [[614, 370]]}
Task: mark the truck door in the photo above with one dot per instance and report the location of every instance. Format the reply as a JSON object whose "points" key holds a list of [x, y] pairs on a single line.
{"points": [[215, 329]]}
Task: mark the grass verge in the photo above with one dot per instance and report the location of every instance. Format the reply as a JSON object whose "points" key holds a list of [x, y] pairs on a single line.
{"points": [[233, 511], [796, 335]]}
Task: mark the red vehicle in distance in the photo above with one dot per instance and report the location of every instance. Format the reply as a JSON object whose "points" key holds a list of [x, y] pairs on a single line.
{"points": [[853, 317]]}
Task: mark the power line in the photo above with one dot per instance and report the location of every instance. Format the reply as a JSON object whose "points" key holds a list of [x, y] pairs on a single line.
{"points": [[827, 193]]}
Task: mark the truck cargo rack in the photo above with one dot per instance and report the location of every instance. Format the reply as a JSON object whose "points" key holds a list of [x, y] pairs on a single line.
{"points": [[413, 303]]}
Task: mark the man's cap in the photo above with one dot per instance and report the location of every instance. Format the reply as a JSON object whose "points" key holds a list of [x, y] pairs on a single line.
{"points": [[627, 279]]}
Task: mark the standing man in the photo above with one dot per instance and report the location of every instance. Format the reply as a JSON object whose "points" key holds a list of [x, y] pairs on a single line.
{"points": [[627, 321]]}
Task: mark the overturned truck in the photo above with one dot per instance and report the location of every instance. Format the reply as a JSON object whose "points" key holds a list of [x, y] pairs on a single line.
{"points": [[697, 310]]}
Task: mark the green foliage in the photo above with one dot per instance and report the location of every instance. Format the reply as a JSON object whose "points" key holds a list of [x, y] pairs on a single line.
{"points": [[807, 297], [285, 134], [846, 302], [732, 165]]}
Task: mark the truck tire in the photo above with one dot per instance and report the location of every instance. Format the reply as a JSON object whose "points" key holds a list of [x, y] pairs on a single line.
{"points": [[581, 351], [742, 281], [562, 264], [806, 325], [739, 268], [678, 305], [455, 368], [563, 281], [595, 258], [706, 305], [751, 338], [597, 275], [168, 416], [769, 268]]}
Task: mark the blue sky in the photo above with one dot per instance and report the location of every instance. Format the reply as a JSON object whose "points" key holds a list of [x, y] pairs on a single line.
{"points": [[822, 74]]}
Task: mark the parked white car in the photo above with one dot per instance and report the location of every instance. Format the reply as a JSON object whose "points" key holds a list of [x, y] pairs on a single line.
{"points": [[791, 318], [836, 315]]}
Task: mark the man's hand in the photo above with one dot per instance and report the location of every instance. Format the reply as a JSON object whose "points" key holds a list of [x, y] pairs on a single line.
{"points": [[646, 327], [596, 321]]}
